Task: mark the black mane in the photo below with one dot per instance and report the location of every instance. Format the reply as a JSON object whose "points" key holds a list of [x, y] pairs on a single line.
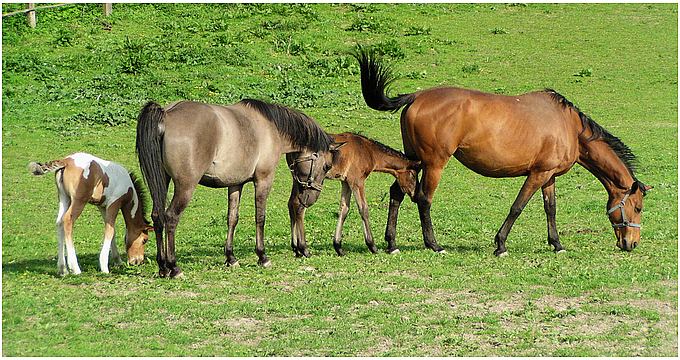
{"points": [[599, 133], [141, 195], [384, 148], [299, 128]]}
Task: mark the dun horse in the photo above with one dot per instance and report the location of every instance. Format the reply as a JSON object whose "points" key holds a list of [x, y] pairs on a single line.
{"points": [[540, 135], [225, 146], [82, 178], [354, 161]]}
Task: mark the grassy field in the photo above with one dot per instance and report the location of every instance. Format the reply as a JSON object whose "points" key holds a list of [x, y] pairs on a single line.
{"points": [[77, 82]]}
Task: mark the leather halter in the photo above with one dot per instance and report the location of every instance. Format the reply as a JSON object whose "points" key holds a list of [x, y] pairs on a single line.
{"points": [[624, 222], [309, 183]]}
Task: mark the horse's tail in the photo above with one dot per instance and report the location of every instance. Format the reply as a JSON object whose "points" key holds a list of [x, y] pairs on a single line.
{"points": [[376, 78], [149, 145], [38, 169]]}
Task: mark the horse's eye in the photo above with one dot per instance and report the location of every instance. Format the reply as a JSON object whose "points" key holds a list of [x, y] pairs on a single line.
{"points": [[638, 210]]}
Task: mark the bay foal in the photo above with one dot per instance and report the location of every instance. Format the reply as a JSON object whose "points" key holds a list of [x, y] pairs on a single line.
{"points": [[356, 158], [83, 178]]}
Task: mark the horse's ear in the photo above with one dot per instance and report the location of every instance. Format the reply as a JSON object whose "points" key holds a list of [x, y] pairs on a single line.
{"points": [[641, 186], [336, 146]]}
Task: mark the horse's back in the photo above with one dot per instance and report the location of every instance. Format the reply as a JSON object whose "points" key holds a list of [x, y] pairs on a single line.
{"points": [[214, 144], [95, 180], [495, 135]]}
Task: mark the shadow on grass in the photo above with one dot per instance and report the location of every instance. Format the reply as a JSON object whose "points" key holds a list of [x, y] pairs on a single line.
{"points": [[87, 262]]}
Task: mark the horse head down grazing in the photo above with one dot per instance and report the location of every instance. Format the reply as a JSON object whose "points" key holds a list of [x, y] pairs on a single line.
{"points": [[81, 179], [540, 135], [224, 146]]}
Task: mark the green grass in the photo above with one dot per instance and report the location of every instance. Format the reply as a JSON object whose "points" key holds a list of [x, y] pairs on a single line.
{"points": [[77, 82]]}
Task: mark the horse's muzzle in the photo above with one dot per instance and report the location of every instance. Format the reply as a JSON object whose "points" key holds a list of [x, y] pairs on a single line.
{"points": [[135, 260], [626, 245]]}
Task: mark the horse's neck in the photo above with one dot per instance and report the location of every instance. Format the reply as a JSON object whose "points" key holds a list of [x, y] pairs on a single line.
{"points": [[133, 216], [598, 158], [389, 163]]}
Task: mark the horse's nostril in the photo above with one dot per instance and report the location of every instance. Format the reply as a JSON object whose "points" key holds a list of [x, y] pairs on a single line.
{"points": [[635, 245]]}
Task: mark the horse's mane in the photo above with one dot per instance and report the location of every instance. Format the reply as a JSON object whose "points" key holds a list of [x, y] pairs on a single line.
{"points": [[599, 133], [384, 148], [141, 195], [299, 128]]}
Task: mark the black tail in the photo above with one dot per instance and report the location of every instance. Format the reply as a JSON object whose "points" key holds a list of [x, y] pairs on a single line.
{"points": [[149, 152], [376, 78]]}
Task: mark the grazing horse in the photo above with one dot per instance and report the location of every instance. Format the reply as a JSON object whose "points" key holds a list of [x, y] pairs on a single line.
{"points": [[540, 135], [354, 161], [225, 146], [81, 179]]}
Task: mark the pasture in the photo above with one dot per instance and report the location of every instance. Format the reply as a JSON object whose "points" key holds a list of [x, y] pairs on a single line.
{"points": [[78, 81]]}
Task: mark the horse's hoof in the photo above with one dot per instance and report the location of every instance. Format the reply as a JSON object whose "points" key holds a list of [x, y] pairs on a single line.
{"points": [[442, 251], [340, 252], [267, 264], [393, 251], [176, 273], [503, 254], [561, 251], [234, 265]]}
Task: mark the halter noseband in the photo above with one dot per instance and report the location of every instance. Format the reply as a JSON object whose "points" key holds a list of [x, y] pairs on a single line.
{"points": [[624, 222], [309, 183]]}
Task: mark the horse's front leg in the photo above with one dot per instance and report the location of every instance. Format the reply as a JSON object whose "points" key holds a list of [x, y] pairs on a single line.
{"points": [[396, 197], [531, 184], [345, 197], [232, 220], [262, 188], [109, 217], [293, 206], [360, 195], [550, 206]]}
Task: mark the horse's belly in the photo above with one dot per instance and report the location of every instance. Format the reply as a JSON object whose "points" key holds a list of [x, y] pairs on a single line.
{"points": [[493, 165], [221, 175]]}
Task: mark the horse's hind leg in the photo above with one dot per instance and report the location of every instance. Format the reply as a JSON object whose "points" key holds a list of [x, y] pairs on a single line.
{"points": [[179, 202], [64, 204], [396, 197], [531, 184], [345, 197], [431, 176], [69, 219], [232, 218], [550, 206], [159, 228]]}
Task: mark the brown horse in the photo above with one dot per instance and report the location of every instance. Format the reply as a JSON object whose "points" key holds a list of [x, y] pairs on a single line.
{"points": [[355, 159], [540, 135], [225, 146], [83, 178]]}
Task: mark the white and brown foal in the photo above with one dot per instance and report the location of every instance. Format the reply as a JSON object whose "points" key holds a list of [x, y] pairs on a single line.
{"points": [[83, 178]]}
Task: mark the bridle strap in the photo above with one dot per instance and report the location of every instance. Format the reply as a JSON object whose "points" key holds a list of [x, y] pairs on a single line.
{"points": [[309, 183], [624, 222]]}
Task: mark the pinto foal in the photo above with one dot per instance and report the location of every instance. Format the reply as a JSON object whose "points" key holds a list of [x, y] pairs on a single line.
{"points": [[83, 178], [355, 160]]}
